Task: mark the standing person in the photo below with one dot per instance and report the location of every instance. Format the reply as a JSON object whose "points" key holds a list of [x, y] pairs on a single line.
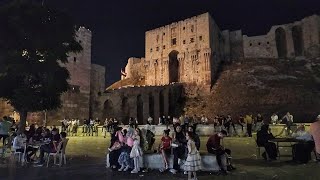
{"points": [[288, 121], [4, 129], [165, 149], [315, 132], [214, 147], [259, 122], [193, 162], [91, 126], [85, 127], [150, 120], [196, 138], [179, 148], [74, 127], [149, 136], [136, 151], [106, 127], [248, 120], [274, 119], [240, 122]]}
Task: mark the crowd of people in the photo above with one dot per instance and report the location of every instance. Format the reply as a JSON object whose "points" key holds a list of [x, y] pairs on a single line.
{"points": [[31, 141], [129, 144]]}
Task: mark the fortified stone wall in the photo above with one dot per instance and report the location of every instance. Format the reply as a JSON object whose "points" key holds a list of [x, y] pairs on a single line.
{"points": [[135, 68], [97, 85], [301, 38], [187, 51], [140, 102]]}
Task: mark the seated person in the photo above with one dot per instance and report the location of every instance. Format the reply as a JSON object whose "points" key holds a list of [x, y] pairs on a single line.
{"points": [[214, 147], [179, 139], [165, 148], [263, 137], [19, 143], [52, 145], [301, 134], [302, 151]]}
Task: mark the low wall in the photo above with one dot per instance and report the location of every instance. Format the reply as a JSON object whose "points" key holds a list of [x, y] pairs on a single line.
{"points": [[203, 130], [155, 161]]}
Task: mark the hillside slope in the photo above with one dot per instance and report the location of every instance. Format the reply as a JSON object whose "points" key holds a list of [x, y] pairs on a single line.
{"points": [[263, 86]]}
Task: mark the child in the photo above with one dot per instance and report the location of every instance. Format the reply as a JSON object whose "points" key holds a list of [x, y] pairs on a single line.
{"points": [[193, 162], [124, 158], [165, 148], [136, 151], [118, 140]]}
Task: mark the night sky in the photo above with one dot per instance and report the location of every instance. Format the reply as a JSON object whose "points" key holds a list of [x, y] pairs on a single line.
{"points": [[119, 26]]}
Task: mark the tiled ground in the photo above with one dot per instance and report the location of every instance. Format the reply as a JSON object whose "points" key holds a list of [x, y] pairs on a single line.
{"points": [[86, 159]]}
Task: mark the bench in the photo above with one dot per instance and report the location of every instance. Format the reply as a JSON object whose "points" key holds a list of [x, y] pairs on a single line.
{"points": [[155, 162]]}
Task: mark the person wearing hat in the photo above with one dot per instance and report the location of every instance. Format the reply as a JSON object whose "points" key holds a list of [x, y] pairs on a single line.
{"points": [[315, 132]]}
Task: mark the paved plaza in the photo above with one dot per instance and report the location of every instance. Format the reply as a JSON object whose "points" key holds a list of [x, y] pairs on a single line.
{"points": [[86, 159]]}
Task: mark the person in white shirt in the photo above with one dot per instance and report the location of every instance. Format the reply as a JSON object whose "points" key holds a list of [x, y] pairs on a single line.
{"points": [[302, 134], [150, 120], [19, 143], [274, 119], [302, 150], [204, 120]]}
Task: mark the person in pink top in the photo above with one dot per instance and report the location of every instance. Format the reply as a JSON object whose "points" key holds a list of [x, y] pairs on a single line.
{"points": [[315, 132]]}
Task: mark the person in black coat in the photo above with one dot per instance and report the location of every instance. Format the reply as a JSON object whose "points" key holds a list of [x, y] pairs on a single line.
{"points": [[263, 137]]}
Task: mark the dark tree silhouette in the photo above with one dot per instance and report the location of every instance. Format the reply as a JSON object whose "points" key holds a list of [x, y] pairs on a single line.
{"points": [[34, 41]]}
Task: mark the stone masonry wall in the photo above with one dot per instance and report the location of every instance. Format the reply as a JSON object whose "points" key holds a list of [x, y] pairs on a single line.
{"points": [[301, 38], [140, 102], [97, 85]]}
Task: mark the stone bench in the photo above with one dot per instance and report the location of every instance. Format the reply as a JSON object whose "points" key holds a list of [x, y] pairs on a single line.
{"points": [[155, 162]]}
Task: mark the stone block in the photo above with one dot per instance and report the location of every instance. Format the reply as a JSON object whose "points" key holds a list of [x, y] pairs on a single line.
{"points": [[155, 161]]}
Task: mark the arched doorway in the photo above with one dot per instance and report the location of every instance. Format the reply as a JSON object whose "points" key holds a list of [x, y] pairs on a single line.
{"points": [[125, 110], [173, 67], [151, 106], [161, 103], [281, 42], [140, 109], [108, 109], [297, 40]]}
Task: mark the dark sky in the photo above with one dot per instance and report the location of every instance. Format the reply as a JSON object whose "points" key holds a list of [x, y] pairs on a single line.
{"points": [[118, 26]]}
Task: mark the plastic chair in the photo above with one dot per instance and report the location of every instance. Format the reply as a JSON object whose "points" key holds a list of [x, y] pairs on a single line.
{"points": [[61, 153]]}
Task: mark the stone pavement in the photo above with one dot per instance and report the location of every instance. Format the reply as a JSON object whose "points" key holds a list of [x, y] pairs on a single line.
{"points": [[86, 159]]}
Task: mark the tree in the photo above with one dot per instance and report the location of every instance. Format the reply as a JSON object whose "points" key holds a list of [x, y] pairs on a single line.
{"points": [[34, 41]]}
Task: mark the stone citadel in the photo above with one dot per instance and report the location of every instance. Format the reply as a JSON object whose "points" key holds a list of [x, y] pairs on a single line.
{"points": [[180, 59], [189, 53]]}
